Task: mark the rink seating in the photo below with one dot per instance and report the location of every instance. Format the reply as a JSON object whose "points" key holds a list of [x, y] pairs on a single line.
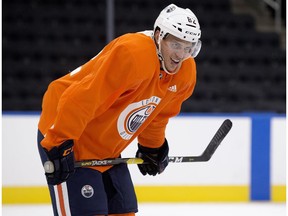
{"points": [[239, 69]]}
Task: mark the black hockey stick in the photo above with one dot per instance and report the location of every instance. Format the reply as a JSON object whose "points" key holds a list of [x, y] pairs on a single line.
{"points": [[205, 156]]}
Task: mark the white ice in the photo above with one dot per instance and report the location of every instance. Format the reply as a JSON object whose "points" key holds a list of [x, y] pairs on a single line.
{"points": [[169, 209]]}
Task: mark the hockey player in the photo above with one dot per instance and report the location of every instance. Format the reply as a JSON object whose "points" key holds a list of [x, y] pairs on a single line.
{"points": [[129, 90]]}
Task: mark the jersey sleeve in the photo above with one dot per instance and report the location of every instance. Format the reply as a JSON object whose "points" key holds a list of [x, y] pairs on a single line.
{"points": [[96, 92]]}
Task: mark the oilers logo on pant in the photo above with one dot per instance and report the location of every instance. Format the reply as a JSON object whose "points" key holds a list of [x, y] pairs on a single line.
{"points": [[87, 191]]}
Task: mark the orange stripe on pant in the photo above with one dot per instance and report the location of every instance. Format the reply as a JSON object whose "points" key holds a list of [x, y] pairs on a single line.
{"points": [[61, 199]]}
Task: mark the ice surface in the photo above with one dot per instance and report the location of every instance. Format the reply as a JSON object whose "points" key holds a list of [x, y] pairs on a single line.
{"points": [[169, 209]]}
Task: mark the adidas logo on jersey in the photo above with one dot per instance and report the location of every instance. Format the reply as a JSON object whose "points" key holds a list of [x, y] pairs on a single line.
{"points": [[173, 88]]}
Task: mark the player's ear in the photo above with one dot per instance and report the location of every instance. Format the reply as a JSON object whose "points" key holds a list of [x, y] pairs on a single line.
{"points": [[156, 34]]}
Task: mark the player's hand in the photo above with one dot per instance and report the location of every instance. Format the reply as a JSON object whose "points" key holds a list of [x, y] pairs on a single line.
{"points": [[62, 167], [157, 159]]}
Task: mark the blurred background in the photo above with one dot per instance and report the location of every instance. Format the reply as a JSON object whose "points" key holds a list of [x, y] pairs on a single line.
{"points": [[241, 75], [241, 66]]}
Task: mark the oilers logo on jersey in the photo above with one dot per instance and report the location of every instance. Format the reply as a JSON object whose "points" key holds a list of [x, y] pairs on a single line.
{"points": [[135, 115]]}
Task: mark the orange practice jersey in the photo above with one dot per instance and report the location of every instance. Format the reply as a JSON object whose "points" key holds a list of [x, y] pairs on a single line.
{"points": [[115, 97]]}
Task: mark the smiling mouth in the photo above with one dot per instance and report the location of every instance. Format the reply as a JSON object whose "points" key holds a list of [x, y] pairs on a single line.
{"points": [[175, 61]]}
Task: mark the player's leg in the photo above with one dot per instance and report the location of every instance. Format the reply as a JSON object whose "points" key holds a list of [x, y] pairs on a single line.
{"points": [[44, 158], [82, 194], [120, 191], [86, 193]]}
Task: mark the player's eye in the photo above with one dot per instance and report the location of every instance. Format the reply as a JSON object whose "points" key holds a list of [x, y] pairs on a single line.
{"points": [[188, 49], [175, 45]]}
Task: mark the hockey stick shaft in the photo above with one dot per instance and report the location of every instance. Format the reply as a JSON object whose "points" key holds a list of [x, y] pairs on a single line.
{"points": [[205, 156]]}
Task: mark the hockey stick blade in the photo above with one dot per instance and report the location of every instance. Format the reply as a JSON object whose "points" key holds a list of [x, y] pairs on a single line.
{"points": [[214, 143], [205, 156]]}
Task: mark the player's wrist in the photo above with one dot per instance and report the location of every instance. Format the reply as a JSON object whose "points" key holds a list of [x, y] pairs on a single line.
{"points": [[156, 159], [61, 163]]}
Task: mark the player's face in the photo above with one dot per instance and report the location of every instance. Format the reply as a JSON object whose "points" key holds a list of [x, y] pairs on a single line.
{"points": [[175, 51]]}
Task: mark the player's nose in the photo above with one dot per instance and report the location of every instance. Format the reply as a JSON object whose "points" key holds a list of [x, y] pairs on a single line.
{"points": [[180, 54]]}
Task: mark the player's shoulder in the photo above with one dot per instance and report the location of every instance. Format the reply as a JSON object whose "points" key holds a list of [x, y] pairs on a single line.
{"points": [[145, 36], [186, 76], [141, 48], [139, 43], [188, 69]]}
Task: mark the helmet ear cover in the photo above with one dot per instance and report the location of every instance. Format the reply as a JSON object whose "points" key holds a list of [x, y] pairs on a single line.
{"points": [[161, 33]]}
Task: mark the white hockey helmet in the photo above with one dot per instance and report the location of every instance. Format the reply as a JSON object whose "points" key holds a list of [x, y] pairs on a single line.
{"points": [[182, 23]]}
